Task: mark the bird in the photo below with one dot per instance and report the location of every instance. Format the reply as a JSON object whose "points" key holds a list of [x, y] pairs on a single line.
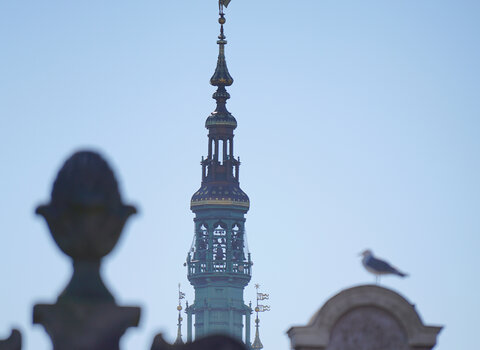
{"points": [[378, 267]]}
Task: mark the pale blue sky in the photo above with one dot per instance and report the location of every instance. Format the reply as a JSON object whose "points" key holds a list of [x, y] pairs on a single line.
{"points": [[358, 128]]}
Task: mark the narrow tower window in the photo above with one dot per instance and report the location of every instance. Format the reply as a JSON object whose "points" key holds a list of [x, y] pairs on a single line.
{"points": [[216, 150], [219, 248], [200, 255], [210, 148], [220, 151]]}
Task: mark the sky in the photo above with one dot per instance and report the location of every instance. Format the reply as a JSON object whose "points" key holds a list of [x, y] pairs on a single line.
{"points": [[357, 128]]}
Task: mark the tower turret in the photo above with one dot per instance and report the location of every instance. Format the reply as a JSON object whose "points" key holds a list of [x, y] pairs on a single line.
{"points": [[219, 264]]}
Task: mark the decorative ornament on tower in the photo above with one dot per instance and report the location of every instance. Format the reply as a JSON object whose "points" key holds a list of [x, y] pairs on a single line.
{"points": [[257, 344], [181, 295], [218, 262]]}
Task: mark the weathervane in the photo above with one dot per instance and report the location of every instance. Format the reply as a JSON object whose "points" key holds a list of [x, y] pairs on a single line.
{"points": [[222, 3], [257, 344], [181, 296]]}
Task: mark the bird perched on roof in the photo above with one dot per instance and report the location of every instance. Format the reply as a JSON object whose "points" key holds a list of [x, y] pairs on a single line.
{"points": [[378, 267]]}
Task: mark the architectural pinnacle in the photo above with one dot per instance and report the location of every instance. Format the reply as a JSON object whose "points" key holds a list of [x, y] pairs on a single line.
{"points": [[221, 78], [257, 344], [181, 295]]}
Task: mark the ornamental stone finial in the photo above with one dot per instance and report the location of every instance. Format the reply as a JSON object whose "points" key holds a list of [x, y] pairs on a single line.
{"points": [[85, 216]]}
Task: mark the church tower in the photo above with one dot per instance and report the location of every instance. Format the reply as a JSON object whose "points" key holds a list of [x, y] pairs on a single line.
{"points": [[219, 264]]}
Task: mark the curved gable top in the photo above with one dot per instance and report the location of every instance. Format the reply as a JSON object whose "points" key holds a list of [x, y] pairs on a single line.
{"points": [[316, 334]]}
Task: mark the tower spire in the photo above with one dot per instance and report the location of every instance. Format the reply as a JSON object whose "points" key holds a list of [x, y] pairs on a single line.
{"points": [[221, 78], [218, 262], [257, 344], [181, 296], [220, 169]]}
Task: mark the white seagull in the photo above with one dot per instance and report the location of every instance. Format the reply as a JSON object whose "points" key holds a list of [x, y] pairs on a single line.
{"points": [[378, 267]]}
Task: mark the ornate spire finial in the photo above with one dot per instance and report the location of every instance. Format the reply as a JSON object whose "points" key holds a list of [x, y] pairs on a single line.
{"points": [[257, 344], [181, 296], [221, 77]]}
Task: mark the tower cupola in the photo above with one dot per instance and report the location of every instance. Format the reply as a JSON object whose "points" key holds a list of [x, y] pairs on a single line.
{"points": [[220, 168]]}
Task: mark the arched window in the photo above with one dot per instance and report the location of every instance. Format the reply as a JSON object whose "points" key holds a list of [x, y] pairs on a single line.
{"points": [[201, 244], [237, 244], [203, 230], [219, 243]]}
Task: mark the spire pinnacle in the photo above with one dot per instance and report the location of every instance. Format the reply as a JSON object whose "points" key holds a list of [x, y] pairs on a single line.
{"points": [[181, 295], [257, 344], [221, 78]]}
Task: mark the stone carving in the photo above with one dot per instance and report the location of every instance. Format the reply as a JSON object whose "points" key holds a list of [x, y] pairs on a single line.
{"points": [[86, 217], [365, 318], [367, 328]]}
